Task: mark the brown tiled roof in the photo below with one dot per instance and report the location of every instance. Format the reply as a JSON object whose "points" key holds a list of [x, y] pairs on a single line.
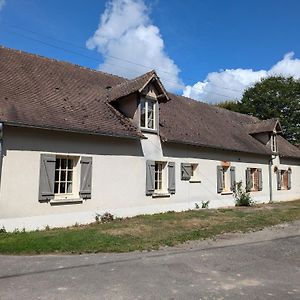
{"points": [[286, 149], [40, 92], [184, 120], [262, 126]]}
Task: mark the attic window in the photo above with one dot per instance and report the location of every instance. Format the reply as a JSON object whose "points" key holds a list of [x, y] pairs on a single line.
{"points": [[148, 114]]}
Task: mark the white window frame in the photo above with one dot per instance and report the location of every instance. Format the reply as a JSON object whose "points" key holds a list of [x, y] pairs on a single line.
{"points": [[282, 174], [226, 179], [75, 190], [254, 175], [195, 176], [160, 179], [273, 143], [146, 102]]}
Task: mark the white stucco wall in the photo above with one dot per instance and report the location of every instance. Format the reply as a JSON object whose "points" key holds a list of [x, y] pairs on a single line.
{"points": [[119, 177]]}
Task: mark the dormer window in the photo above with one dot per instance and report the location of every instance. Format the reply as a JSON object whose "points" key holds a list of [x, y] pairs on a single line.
{"points": [[148, 114], [273, 143]]}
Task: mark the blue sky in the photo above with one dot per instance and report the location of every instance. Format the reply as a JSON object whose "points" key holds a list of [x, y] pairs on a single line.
{"points": [[207, 49]]}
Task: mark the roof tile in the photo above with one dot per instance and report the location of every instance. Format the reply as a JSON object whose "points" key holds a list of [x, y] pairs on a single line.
{"points": [[36, 91], [41, 92]]}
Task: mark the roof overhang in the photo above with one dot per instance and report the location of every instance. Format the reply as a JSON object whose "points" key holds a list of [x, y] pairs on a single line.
{"points": [[73, 130], [265, 126]]}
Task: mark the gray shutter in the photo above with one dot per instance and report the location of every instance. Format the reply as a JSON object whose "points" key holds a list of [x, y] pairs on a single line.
{"points": [[86, 177], [289, 174], [249, 182], [260, 182], [186, 171], [150, 173], [47, 173], [171, 177], [220, 183], [232, 179], [278, 179]]}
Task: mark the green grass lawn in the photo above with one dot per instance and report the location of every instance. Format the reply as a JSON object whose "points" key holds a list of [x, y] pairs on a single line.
{"points": [[149, 231]]}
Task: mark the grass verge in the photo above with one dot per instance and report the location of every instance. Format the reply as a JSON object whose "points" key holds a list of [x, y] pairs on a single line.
{"points": [[148, 232]]}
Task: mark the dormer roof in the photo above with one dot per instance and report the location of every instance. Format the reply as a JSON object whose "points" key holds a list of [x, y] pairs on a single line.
{"points": [[137, 85], [261, 126]]}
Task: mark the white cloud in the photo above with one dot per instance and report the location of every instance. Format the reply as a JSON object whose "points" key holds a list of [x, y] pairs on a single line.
{"points": [[126, 31], [230, 84], [2, 3], [287, 67]]}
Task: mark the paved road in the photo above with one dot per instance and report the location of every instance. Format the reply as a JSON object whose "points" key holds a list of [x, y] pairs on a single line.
{"points": [[261, 265]]}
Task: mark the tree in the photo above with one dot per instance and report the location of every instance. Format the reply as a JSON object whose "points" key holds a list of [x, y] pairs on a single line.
{"points": [[230, 105], [274, 97]]}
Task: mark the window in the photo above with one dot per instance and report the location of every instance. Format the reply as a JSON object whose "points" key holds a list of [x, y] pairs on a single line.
{"points": [[284, 179], [158, 178], [63, 176], [253, 179], [225, 179], [194, 173], [190, 172], [273, 143], [148, 114]]}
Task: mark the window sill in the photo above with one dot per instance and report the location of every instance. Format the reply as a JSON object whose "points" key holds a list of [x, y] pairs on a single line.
{"points": [[227, 193], [66, 201], [195, 181], [148, 130], [161, 195]]}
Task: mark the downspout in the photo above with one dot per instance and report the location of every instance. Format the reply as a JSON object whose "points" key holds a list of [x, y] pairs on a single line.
{"points": [[270, 178]]}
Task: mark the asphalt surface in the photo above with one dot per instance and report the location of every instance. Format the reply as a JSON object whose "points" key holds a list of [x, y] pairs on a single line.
{"points": [[260, 265]]}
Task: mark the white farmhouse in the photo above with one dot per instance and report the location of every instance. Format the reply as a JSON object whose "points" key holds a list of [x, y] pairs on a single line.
{"points": [[77, 142]]}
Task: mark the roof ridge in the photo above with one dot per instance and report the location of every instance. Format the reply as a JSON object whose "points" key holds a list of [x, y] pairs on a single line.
{"points": [[61, 62], [136, 78], [264, 120]]}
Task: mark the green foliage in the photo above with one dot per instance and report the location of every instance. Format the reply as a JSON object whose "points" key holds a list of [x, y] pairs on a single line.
{"points": [[242, 198], [105, 218], [230, 105], [204, 204], [276, 97], [273, 97]]}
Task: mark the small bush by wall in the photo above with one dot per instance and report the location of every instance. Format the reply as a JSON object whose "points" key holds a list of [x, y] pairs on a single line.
{"points": [[242, 197]]}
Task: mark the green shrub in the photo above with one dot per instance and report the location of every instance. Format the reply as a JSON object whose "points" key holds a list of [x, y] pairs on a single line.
{"points": [[242, 197], [204, 204]]}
